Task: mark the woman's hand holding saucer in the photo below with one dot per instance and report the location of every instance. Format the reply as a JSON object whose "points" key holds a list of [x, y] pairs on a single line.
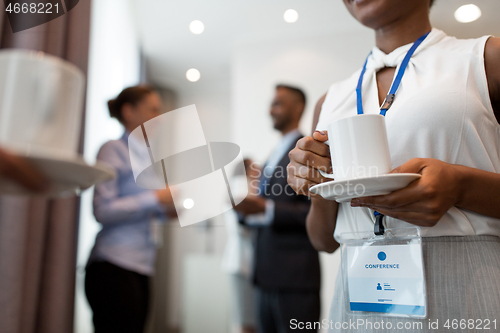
{"points": [[425, 200]]}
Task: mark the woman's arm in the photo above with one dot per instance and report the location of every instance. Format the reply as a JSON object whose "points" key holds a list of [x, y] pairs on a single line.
{"points": [[320, 224], [492, 68], [309, 156], [109, 206]]}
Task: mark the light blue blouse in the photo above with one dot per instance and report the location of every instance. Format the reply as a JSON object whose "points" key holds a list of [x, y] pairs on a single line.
{"points": [[126, 212]]}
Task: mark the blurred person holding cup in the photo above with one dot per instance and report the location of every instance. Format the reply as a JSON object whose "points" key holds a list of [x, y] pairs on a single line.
{"points": [[286, 270], [442, 124]]}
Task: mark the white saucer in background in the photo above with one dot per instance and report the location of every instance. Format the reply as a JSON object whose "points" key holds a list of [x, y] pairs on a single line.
{"points": [[67, 176], [345, 190]]}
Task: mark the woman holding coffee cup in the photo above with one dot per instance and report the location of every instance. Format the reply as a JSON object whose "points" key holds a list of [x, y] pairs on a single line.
{"points": [[123, 257], [443, 123]]}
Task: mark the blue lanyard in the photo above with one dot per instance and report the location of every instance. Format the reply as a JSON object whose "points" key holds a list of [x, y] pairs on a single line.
{"points": [[379, 226], [395, 85]]}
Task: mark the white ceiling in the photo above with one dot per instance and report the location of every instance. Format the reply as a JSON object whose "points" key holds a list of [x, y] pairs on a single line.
{"points": [[171, 49]]}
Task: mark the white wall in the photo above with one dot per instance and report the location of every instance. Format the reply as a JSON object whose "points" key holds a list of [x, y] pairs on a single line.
{"points": [[311, 63], [212, 101], [114, 63]]}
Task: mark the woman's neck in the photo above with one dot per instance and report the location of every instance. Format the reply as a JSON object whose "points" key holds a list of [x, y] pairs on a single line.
{"points": [[402, 31]]}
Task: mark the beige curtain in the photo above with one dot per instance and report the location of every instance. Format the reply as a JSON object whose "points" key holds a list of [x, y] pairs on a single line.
{"points": [[38, 237]]}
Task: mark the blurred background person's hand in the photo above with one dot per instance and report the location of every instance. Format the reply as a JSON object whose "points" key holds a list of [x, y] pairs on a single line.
{"points": [[253, 172], [20, 171], [252, 204], [165, 198]]}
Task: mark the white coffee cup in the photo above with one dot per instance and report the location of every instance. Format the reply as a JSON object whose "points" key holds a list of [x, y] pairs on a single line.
{"points": [[41, 104], [358, 147]]}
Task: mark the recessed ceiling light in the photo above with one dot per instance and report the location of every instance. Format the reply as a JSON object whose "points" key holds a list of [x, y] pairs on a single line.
{"points": [[196, 27], [193, 75], [291, 16], [467, 13]]}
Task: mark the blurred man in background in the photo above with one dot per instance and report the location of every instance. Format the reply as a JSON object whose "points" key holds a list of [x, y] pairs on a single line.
{"points": [[286, 270]]}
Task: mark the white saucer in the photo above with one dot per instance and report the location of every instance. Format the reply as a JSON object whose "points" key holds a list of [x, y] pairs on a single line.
{"points": [[67, 176], [345, 190]]}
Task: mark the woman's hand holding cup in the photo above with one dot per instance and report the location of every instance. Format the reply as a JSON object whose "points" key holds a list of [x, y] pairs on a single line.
{"points": [[310, 155]]}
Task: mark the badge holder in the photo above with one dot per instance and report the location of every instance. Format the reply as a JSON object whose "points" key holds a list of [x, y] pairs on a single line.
{"points": [[383, 272]]}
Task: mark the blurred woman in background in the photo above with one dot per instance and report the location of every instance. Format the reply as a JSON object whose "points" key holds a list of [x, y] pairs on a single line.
{"points": [[123, 257]]}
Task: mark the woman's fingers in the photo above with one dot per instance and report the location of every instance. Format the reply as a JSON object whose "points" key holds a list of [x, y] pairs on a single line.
{"points": [[300, 185], [306, 159], [320, 136], [311, 153], [415, 165], [305, 172], [404, 197], [425, 200], [310, 159], [308, 143]]}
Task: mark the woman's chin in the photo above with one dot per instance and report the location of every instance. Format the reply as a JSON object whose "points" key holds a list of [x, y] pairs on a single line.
{"points": [[370, 13]]}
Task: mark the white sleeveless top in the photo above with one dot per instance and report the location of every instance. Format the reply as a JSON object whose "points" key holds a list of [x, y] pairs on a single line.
{"points": [[442, 110]]}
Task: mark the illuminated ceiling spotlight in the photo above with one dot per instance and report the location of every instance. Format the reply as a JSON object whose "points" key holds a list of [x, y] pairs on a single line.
{"points": [[467, 13], [291, 16], [196, 27], [193, 75]]}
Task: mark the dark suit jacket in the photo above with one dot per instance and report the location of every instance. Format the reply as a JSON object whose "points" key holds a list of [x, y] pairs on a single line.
{"points": [[284, 257]]}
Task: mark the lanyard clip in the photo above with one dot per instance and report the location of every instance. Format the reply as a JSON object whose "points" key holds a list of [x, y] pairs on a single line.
{"points": [[388, 102], [379, 228]]}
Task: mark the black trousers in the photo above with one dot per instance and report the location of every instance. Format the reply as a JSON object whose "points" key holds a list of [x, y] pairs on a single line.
{"points": [[118, 297], [282, 311]]}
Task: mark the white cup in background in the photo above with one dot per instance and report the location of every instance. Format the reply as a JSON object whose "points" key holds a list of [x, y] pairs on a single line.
{"points": [[41, 99], [358, 147]]}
